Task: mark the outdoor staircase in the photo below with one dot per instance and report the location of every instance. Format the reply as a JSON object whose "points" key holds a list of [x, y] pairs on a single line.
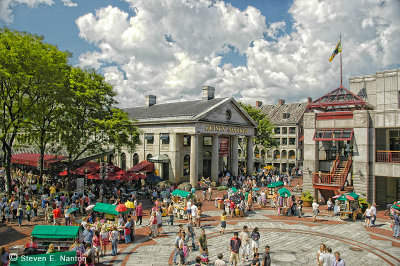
{"points": [[332, 183]]}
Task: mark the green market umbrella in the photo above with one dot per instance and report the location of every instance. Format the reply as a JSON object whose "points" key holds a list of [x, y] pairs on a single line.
{"points": [[55, 231], [275, 184], [354, 195], [70, 210], [284, 192], [180, 193], [396, 206], [345, 197], [234, 190]]}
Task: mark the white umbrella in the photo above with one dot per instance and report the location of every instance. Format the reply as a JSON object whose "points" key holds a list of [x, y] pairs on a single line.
{"points": [[88, 208]]}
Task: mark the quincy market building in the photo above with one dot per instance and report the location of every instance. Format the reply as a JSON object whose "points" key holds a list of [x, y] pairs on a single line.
{"points": [[352, 139], [192, 139]]}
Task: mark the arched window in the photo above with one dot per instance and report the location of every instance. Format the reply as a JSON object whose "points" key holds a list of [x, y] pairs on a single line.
{"points": [[135, 160], [292, 154], [186, 165], [149, 156], [123, 161], [207, 155], [284, 154], [276, 154]]}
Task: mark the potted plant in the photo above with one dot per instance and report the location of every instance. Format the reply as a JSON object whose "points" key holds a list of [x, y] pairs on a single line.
{"points": [[307, 199]]}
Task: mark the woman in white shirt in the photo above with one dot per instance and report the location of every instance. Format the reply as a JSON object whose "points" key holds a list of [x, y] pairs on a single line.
{"points": [[368, 215], [315, 206]]}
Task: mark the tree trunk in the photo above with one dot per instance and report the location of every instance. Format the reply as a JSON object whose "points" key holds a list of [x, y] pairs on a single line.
{"points": [[7, 157], [41, 162]]}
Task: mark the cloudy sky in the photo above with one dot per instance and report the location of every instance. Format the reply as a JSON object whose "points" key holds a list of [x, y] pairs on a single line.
{"points": [[250, 49]]}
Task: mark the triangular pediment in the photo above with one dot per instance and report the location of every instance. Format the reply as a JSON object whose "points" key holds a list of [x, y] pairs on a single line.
{"points": [[228, 112]]}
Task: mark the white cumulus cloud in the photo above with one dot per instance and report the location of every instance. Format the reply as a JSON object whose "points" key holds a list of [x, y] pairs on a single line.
{"points": [[69, 3], [171, 48], [7, 5]]}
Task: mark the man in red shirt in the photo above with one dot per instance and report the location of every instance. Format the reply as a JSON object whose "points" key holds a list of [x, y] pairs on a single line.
{"points": [[235, 245], [56, 216], [139, 213]]}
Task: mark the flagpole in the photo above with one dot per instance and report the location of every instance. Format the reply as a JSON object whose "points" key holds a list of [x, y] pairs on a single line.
{"points": [[340, 60]]}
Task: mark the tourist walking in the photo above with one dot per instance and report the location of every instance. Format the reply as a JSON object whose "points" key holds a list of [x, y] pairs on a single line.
{"points": [[396, 224], [114, 238], [209, 193], [373, 211], [194, 213], [255, 237], [245, 239], [170, 212], [20, 215], [198, 216], [177, 250], [104, 237], [67, 216], [190, 233], [339, 261], [97, 245], [219, 261], [153, 225], [320, 253], [203, 242], [266, 260], [223, 222], [235, 244], [139, 213], [368, 215], [328, 258], [315, 207]]}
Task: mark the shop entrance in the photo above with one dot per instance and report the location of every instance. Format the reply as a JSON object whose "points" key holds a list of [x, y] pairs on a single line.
{"points": [[387, 189]]}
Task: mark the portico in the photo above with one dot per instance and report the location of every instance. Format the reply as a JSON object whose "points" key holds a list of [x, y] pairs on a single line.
{"points": [[198, 138]]}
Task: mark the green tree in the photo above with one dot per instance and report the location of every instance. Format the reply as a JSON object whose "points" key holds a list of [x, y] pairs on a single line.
{"points": [[27, 67], [264, 131], [90, 120]]}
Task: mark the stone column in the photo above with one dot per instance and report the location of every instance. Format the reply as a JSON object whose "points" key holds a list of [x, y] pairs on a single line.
{"points": [[175, 142], [235, 156], [311, 153], [214, 158], [250, 155], [194, 157]]}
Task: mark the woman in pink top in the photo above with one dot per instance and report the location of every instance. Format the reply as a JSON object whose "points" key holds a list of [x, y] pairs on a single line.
{"points": [[139, 213], [97, 245]]}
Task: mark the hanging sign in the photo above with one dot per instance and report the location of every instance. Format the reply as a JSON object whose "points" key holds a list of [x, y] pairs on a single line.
{"points": [[223, 147]]}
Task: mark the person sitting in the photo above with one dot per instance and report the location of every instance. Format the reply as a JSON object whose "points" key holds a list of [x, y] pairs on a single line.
{"points": [[51, 249]]}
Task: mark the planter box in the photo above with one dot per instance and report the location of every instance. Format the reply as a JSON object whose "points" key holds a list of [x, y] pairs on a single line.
{"points": [[307, 203]]}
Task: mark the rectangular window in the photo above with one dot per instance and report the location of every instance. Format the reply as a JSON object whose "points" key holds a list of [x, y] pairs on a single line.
{"points": [[164, 139], [149, 138], [284, 141], [186, 140], [284, 130], [292, 130], [207, 141], [277, 130], [394, 137], [292, 141]]}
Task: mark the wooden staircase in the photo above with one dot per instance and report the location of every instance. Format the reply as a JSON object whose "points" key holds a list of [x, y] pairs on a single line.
{"points": [[332, 183]]}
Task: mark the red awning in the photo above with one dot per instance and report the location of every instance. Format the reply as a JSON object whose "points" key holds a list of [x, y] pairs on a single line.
{"points": [[87, 168], [93, 176], [333, 134], [143, 166], [63, 173], [32, 159]]}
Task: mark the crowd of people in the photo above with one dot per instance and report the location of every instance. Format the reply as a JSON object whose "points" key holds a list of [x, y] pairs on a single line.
{"points": [[31, 200]]}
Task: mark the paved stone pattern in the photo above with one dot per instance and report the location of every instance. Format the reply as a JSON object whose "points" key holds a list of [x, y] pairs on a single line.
{"points": [[292, 243]]}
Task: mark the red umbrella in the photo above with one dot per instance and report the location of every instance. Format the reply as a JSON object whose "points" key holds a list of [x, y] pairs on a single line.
{"points": [[93, 176], [63, 173], [121, 208]]}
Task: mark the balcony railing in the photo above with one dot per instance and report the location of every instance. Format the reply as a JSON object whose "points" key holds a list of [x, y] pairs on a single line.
{"points": [[328, 179], [388, 156]]}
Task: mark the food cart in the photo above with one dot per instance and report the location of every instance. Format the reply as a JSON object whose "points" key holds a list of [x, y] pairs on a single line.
{"points": [[179, 198], [272, 188], [283, 201], [111, 215], [349, 207], [58, 235]]}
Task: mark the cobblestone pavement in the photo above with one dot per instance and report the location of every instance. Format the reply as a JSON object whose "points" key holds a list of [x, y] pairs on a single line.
{"points": [[292, 241]]}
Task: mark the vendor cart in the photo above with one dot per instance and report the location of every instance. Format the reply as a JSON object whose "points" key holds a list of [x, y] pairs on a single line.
{"points": [[349, 207], [180, 197], [110, 213], [58, 235], [283, 201], [272, 188]]}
